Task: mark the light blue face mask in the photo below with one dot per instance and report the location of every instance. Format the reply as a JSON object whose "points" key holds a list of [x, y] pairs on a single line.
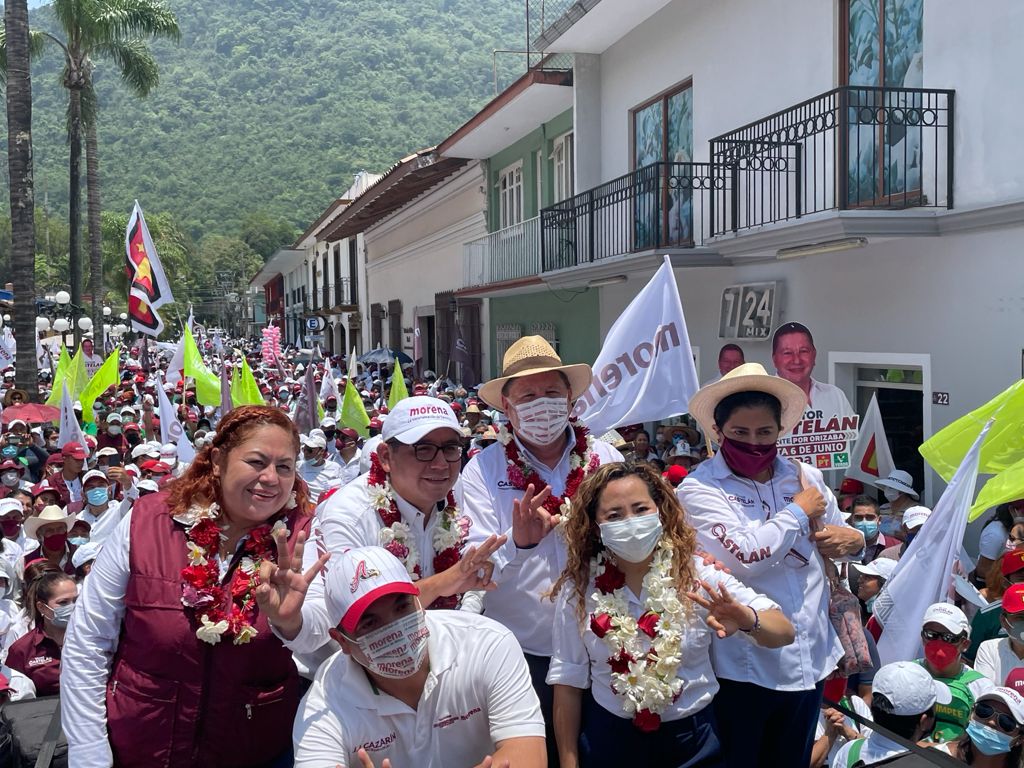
{"points": [[868, 527], [890, 526], [870, 604], [97, 496], [987, 739], [78, 541]]}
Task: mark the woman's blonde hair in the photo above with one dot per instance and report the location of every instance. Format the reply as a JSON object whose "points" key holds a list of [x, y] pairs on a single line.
{"points": [[583, 536]]}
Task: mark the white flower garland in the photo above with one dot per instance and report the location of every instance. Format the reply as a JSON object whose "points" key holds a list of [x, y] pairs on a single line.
{"points": [[651, 682]]}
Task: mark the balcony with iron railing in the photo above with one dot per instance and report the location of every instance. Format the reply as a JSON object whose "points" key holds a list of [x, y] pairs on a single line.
{"points": [[851, 148], [339, 296], [512, 253]]}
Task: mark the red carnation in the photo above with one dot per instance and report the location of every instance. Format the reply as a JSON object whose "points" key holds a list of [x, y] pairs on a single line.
{"points": [[205, 534], [451, 602], [648, 623], [600, 624], [610, 580], [647, 721], [446, 559], [196, 575], [240, 584], [259, 538], [620, 662]]}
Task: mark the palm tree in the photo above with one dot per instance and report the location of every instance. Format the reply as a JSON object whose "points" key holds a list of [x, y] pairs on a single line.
{"points": [[19, 159], [113, 29]]}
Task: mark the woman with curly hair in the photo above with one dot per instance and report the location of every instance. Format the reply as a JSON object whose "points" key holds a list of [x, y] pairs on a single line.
{"points": [[169, 659], [636, 614]]}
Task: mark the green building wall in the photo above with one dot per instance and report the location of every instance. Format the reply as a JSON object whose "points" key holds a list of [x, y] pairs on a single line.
{"points": [[576, 318]]}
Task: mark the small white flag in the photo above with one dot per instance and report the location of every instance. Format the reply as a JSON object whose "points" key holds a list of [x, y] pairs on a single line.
{"points": [[871, 457]]}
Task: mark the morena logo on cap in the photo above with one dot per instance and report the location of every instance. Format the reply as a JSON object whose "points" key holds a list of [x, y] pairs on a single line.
{"points": [[428, 410]]}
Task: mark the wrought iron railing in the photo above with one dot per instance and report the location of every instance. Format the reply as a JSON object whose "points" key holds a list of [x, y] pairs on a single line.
{"points": [[657, 206], [508, 254], [340, 293], [851, 147]]}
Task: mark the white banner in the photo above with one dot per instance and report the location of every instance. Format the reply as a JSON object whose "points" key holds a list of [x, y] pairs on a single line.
{"points": [[645, 371], [924, 575], [70, 430], [6, 354], [171, 430], [871, 457]]}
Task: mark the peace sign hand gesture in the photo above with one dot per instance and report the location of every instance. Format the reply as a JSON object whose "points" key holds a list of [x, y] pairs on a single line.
{"points": [[725, 615], [283, 585], [531, 522]]}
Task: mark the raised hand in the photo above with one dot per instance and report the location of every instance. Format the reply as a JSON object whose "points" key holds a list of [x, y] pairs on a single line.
{"points": [[474, 570], [531, 522], [283, 585], [725, 615]]}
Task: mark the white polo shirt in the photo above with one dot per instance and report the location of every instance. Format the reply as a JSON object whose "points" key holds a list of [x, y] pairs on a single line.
{"points": [[320, 478], [348, 520], [829, 399], [763, 538], [523, 575], [580, 657], [478, 694], [996, 659]]}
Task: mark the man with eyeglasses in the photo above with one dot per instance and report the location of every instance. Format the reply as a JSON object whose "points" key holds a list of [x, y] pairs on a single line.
{"points": [[946, 634], [410, 504]]}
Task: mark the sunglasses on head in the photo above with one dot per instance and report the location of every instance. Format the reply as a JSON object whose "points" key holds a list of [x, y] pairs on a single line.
{"points": [[984, 711], [946, 637]]}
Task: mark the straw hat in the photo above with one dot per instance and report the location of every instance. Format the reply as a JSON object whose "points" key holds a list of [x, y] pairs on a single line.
{"points": [[51, 514], [749, 377], [528, 356]]}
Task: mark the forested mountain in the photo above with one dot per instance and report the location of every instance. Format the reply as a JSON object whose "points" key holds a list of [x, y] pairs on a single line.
{"points": [[273, 105]]}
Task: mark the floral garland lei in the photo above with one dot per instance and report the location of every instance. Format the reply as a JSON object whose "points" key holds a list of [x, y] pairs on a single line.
{"points": [[223, 609], [645, 678], [449, 538], [582, 461]]}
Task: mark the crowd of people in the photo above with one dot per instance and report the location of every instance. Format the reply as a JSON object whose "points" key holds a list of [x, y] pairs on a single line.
{"points": [[469, 577]]}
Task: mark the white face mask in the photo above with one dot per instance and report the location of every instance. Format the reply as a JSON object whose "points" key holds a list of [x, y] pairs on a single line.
{"points": [[114, 430], [542, 421], [634, 538], [10, 479], [891, 495], [396, 650]]}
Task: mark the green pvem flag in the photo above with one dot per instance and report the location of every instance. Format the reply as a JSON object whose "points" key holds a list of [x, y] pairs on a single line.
{"points": [[1004, 446], [353, 414], [207, 382], [106, 376], [59, 375], [244, 389], [398, 389]]}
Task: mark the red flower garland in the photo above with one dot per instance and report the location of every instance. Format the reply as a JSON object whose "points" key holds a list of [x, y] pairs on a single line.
{"points": [[390, 515], [521, 474], [235, 601]]}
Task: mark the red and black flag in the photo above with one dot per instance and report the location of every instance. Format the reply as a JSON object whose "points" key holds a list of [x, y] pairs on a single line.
{"points": [[147, 285]]}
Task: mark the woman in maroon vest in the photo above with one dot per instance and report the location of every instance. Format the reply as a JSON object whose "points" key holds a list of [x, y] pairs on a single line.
{"points": [[168, 660]]}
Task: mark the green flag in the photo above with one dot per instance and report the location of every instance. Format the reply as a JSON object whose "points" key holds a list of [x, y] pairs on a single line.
{"points": [[105, 377], [244, 389], [398, 391], [59, 375], [207, 382], [1008, 485], [1003, 447], [77, 374], [353, 414]]}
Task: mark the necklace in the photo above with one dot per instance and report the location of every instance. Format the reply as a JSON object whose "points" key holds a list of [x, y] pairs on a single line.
{"points": [[645, 653], [449, 539], [223, 608], [764, 507], [582, 462]]}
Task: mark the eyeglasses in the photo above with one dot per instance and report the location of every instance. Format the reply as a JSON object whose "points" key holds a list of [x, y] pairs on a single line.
{"points": [[428, 451], [984, 711], [946, 637]]}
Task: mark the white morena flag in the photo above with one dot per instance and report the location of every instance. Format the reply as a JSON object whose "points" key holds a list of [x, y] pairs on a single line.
{"points": [[871, 457], [70, 430], [645, 371], [186, 451], [177, 364], [171, 430], [352, 363], [924, 574], [6, 353], [329, 386]]}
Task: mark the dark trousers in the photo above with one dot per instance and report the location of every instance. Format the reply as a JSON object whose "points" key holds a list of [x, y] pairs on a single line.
{"points": [[538, 672], [609, 740], [766, 728]]}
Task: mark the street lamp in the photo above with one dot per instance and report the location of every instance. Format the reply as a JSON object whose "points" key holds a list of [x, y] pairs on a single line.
{"points": [[123, 316], [85, 324], [42, 324], [107, 311], [61, 324], [63, 298]]}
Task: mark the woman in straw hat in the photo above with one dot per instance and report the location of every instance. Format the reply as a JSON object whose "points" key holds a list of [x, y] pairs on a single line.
{"points": [[636, 614], [772, 523]]}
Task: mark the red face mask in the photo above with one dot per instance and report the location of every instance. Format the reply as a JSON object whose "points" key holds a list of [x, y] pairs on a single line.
{"points": [[55, 542], [941, 654], [747, 459]]}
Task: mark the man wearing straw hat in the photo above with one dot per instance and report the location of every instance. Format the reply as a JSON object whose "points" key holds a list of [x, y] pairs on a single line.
{"points": [[773, 523], [521, 486]]}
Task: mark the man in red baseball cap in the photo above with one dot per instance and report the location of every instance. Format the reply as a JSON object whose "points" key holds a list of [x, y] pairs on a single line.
{"points": [[68, 482], [998, 657], [848, 490], [987, 623]]}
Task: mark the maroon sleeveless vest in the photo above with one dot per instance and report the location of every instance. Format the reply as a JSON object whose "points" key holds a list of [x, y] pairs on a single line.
{"points": [[174, 700]]}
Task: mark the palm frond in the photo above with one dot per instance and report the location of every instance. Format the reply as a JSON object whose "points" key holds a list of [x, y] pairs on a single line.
{"points": [[134, 62], [128, 19], [36, 47]]}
